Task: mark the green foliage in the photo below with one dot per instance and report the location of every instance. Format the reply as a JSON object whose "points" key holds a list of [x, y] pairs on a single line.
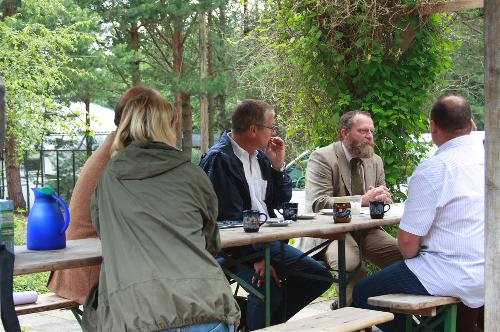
{"points": [[334, 57], [34, 49], [31, 282], [466, 75]]}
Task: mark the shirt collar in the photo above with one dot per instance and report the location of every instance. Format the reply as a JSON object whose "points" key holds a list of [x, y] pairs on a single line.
{"points": [[239, 151], [457, 141], [348, 155]]}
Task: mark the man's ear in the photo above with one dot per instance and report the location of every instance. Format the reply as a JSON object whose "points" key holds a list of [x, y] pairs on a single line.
{"points": [[343, 133], [252, 129], [434, 127]]}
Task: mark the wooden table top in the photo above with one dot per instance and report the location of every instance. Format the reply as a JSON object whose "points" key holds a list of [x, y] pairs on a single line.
{"points": [[87, 252]]}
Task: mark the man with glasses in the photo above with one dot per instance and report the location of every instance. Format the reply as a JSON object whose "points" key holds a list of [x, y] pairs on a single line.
{"points": [[347, 168], [246, 168]]}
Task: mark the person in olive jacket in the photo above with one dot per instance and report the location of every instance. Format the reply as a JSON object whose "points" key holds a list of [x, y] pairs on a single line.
{"points": [[155, 213]]}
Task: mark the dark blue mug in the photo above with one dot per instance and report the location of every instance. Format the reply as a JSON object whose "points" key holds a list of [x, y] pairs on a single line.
{"points": [[289, 211], [377, 209], [251, 220]]}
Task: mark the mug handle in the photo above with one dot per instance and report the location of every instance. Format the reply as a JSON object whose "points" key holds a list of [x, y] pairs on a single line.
{"points": [[263, 222], [389, 207]]}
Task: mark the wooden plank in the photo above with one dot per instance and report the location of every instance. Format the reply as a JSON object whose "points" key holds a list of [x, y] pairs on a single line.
{"points": [[321, 227], [78, 253], [492, 126], [341, 320], [409, 301], [430, 312], [450, 6], [45, 302], [87, 252]]}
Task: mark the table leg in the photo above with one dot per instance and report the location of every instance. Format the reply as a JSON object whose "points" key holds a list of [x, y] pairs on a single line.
{"points": [[267, 299], [342, 274]]}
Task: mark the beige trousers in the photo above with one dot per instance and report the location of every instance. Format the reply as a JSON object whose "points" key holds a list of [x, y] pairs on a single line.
{"points": [[375, 245]]}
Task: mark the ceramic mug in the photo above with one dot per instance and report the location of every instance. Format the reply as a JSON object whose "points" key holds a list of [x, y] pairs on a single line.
{"points": [[251, 220], [378, 208], [289, 211]]}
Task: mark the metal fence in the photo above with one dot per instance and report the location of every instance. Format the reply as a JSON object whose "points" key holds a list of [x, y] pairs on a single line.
{"points": [[58, 169]]}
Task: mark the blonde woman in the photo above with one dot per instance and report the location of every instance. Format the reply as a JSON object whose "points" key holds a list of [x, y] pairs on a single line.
{"points": [[155, 213]]}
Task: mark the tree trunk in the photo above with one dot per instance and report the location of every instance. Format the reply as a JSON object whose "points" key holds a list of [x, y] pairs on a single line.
{"points": [[187, 118], [14, 189], [2, 117], [134, 45], [204, 122], [492, 126], [221, 99], [178, 53], [88, 139], [246, 29], [212, 73], [221, 102]]}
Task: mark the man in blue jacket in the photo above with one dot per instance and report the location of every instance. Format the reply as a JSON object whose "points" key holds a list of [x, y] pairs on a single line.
{"points": [[246, 169]]}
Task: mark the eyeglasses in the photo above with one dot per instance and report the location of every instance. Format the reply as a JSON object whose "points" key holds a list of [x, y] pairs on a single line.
{"points": [[273, 128], [366, 131]]}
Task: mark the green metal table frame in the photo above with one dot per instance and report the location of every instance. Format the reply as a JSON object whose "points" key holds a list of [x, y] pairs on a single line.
{"points": [[446, 316], [342, 277]]}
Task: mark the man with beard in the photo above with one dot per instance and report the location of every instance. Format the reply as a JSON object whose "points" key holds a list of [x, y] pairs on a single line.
{"points": [[347, 168], [246, 168]]}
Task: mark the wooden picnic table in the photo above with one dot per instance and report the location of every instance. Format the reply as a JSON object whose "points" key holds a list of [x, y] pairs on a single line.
{"points": [[87, 252]]}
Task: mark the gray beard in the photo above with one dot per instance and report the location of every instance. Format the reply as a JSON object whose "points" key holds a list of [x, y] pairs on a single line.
{"points": [[359, 151]]}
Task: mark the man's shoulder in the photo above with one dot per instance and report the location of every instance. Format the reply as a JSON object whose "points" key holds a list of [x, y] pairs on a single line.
{"points": [[219, 149], [330, 150]]}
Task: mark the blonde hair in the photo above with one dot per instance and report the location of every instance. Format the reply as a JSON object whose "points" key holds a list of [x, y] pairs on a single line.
{"points": [[146, 117]]}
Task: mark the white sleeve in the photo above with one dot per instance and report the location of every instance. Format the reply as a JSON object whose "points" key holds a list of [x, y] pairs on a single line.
{"points": [[420, 207]]}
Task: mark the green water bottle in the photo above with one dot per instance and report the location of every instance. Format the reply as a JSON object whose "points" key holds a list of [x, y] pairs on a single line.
{"points": [[7, 224]]}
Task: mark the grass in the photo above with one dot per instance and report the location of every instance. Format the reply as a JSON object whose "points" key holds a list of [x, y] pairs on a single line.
{"points": [[30, 282]]}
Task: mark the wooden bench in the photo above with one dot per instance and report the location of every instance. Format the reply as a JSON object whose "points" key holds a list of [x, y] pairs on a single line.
{"points": [[47, 302], [346, 319], [431, 310]]}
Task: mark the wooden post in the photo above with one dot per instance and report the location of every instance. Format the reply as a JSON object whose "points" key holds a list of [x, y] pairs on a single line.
{"points": [[204, 121], [492, 126]]}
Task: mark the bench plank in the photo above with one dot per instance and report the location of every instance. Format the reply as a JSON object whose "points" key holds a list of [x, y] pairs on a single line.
{"points": [[46, 302], [410, 301], [341, 320]]}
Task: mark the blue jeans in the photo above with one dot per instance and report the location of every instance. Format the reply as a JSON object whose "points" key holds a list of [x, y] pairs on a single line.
{"points": [[295, 293], [206, 327], [396, 278]]}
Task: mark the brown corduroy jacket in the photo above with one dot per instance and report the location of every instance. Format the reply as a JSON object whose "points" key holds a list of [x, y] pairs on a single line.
{"points": [[75, 284]]}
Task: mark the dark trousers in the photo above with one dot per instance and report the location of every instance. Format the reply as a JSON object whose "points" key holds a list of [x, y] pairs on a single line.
{"points": [[296, 291], [8, 313], [396, 278]]}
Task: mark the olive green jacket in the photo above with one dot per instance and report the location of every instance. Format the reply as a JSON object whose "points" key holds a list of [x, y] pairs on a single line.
{"points": [[155, 213]]}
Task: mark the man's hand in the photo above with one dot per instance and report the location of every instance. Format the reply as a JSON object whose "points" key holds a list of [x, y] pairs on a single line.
{"points": [[260, 270], [275, 151], [381, 193]]}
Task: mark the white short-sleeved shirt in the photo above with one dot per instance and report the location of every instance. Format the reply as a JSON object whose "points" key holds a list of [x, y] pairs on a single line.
{"points": [[256, 184], [445, 207]]}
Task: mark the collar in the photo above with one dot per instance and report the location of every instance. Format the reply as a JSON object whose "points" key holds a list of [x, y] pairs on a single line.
{"points": [[455, 142], [239, 151], [348, 155]]}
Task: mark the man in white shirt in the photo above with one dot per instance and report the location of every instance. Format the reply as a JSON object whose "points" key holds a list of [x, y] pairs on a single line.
{"points": [[246, 168], [441, 235]]}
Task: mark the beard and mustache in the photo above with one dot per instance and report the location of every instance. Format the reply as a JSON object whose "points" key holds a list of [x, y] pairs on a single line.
{"points": [[360, 149]]}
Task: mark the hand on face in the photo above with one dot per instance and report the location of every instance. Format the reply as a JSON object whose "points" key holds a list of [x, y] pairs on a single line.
{"points": [[275, 151], [380, 193]]}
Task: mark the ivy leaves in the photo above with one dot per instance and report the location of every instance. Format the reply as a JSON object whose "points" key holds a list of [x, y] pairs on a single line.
{"points": [[345, 55]]}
